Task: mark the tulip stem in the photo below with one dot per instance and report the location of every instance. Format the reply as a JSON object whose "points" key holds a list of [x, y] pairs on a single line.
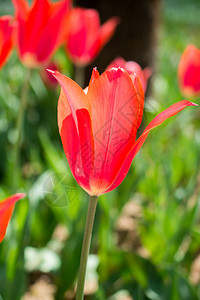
{"points": [[19, 129], [86, 246], [80, 76]]}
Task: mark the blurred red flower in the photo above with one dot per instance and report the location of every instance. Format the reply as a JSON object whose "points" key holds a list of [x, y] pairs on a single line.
{"points": [[189, 72], [47, 78], [132, 67], [40, 29], [85, 37], [6, 209], [98, 126], [6, 38]]}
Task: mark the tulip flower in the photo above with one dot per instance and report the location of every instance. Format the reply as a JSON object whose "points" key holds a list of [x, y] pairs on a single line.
{"points": [[132, 67], [6, 38], [85, 37], [189, 72], [98, 126], [40, 29], [6, 209]]}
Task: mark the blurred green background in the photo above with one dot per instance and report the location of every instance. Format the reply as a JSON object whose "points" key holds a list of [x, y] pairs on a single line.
{"points": [[146, 238]]}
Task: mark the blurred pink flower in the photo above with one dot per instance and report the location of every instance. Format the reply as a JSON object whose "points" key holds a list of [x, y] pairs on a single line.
{"points": [[132, 67], [189, 72], [85, 37]]}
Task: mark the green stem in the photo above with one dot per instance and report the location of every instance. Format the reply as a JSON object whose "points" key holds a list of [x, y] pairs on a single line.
{"points": [[80, 76], [19, 130], [86, 246]]}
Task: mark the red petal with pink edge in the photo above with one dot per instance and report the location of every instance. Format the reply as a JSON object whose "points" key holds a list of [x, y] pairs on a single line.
{"points": [[6, 209], [77, 140], [75, 129], [71, 99], [159, 119], [140, 95], [116, 111]]}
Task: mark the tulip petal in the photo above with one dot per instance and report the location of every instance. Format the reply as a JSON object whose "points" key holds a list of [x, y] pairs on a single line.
{"points": [[147, 73], [159, 119], [6, 209], [6, 39], [77, 140], [21, 8], [116, 110], [117, 62], [74, 120], [107, 30], [40, 29], [52, 36], [72, 97], [94, 76], [132, 68], [36, 21]]}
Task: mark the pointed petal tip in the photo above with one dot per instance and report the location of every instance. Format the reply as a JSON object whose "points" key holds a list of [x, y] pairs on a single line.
{"points": [[95, 70], [10, 200], [20, 195], [116, 20], [54, 73], [17, 196], [94, 76], [190, 103], [194, 104], [51, 71]]}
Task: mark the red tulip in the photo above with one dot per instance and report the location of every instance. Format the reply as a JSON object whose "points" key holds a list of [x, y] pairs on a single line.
{"points": [[6, 38], [98, 126], [132, 67], [85, 37], [6, 209], [40, 29], [189, 72]]}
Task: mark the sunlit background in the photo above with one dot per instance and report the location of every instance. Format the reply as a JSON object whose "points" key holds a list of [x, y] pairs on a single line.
{"points": [[146, 238]]}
